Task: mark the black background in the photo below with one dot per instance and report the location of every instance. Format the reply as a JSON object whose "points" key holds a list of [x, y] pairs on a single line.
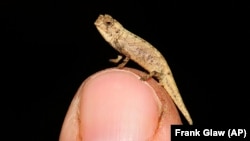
{"points": [[49, 47]]}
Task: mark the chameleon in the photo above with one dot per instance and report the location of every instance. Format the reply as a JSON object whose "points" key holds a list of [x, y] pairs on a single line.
{"points": [[143, 53]]}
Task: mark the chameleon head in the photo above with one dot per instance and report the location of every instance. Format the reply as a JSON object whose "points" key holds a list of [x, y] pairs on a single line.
{"points": [[108, 27]]}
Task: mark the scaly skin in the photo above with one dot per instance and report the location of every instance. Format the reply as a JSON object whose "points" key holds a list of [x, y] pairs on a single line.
{"points": [[143, 53]]}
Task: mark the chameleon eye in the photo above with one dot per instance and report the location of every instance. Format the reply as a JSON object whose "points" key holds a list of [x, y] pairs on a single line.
{"points": [[108, 23]]}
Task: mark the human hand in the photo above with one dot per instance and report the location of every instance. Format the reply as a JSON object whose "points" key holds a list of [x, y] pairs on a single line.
{"points": [[115, 105]]}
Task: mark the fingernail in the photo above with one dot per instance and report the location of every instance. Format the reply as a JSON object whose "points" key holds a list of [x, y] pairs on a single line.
{"points": [[117, 105]]}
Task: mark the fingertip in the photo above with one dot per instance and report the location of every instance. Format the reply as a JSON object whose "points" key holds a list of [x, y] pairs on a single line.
{"points": [[115, 104]]}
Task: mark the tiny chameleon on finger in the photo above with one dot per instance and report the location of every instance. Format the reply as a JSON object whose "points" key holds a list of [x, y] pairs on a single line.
{"points": [[143, 53]]}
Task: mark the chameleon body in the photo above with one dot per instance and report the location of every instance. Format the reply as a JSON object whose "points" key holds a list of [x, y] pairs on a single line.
{"points": [[144, 54]]}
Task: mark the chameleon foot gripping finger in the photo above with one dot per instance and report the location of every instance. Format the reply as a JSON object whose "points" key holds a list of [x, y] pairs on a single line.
{"points": [[143, 53]]}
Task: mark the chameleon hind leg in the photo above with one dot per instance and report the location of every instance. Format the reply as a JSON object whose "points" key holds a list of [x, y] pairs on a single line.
{"points": [[150, 75]]}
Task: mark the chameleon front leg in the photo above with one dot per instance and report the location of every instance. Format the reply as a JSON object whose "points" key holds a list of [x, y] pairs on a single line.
{"points": [[116, 60], [124, 62], [119, 57]]}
